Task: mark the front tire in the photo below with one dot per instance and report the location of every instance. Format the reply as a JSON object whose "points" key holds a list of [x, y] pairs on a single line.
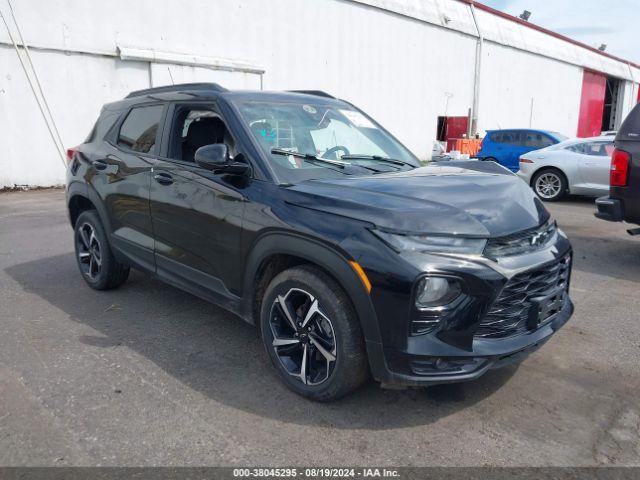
{"points": [[312, 334], [98, 266], [550, 185]]}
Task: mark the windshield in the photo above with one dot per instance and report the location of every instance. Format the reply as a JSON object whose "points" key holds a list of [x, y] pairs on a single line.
{"points": [[324, 140]]}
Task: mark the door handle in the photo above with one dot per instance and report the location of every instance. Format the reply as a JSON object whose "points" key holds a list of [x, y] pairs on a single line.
{"points": [[163, 178], [100, 164]]}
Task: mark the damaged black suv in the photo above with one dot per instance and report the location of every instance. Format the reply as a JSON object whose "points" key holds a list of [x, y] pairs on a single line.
{"points": [[302, 215]]}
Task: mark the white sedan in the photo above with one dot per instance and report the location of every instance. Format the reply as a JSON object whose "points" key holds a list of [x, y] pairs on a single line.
{"points": [[579, 166]]}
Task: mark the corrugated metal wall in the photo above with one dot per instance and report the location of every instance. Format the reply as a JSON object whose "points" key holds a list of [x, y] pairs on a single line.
{"points": [[403, 61]]}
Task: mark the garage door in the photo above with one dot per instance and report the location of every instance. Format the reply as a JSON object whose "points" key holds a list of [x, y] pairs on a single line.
{"points": [[591, 104]]}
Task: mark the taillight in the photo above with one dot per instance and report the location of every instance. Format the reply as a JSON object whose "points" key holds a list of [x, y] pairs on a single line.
{"points": [[70, 153], [619, 175], [525, 160]]}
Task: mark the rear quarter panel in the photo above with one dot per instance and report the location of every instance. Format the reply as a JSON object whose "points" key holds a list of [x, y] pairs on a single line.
{"points": [[630, 195]]}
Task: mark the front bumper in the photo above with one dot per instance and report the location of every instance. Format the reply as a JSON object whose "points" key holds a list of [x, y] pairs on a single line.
{"points": [[610, 209], [462, 348], [406, 368]]}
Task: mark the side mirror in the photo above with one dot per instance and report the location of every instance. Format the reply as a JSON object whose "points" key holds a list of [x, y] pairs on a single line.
{"points": [[215, 157]]}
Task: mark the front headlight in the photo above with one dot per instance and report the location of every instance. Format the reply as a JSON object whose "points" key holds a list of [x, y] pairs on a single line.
{"points": [[432, 243]]}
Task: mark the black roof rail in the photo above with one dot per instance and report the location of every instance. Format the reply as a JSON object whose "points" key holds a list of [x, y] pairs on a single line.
{"points": [[177, 88], [317, 93]]}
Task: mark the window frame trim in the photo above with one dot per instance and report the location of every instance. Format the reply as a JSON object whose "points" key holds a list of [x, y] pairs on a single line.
{"points": [[170, 113]]}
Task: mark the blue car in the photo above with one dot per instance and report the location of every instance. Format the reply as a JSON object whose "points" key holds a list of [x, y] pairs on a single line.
{"points": [[506, 146]]}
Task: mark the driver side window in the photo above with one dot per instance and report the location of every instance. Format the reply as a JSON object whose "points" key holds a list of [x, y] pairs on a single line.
{"points": [[194, 128]]}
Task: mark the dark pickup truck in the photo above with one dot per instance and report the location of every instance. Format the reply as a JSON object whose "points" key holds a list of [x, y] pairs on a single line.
{"points": [[623, 202]]}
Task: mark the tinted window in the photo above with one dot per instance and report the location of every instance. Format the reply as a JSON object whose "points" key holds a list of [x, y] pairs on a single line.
{"points": [[138, 132], [545, 141], [507, 137], [512, 138], [598, 149], [496, 137], [518, 138], [576, 147], [103, 125]]}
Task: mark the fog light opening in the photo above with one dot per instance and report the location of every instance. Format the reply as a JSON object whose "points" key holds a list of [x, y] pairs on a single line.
{"points": [[447, 366]]}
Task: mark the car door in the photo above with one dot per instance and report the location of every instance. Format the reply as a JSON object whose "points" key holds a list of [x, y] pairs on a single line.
{"points": [[196, 214], [513, 141], [495, 148], [594, 165], [121, 175]]}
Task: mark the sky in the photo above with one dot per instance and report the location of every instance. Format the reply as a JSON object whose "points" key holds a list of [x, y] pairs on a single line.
{"points": [[614, 22]]}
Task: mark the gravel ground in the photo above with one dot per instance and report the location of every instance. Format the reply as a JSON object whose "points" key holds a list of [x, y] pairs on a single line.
{"points": [[149, 375]]}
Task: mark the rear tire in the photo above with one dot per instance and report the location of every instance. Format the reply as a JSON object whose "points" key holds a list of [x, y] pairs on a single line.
{"points": [[98, 267], [549, 184], [320, 355]]}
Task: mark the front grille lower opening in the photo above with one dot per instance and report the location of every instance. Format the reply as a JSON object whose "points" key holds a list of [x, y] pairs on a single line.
{"points": [[528, 301]]}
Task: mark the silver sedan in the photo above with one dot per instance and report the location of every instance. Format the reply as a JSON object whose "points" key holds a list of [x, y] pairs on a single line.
{"points": [[578, 166]]}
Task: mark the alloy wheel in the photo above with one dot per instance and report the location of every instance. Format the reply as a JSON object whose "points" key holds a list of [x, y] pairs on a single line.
{"points": [[89, 251], [303, 337], [548, 185]]}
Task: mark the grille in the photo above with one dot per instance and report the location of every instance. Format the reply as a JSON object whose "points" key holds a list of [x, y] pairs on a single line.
{"points": [[528, 300], [522, 242]]}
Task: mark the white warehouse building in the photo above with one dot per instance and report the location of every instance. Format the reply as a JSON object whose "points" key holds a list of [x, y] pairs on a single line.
{"points": [[409, 63]]}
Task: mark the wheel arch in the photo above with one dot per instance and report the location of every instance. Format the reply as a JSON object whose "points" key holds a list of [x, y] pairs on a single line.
{"points": [[549, 167], [276, 252], [77, 204], [86, 199]]}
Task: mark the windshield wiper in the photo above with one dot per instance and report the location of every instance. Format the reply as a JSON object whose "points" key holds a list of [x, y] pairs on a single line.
{"points": [[376, 157], [309, 156]]}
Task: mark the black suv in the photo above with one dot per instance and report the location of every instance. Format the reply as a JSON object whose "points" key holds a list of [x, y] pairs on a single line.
{"points": [[623, 202], [302, 215]]}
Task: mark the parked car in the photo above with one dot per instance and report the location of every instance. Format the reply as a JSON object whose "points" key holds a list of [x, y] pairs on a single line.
{"points": [[301, 214], [623, 201], [507, 146], [579, 166]]}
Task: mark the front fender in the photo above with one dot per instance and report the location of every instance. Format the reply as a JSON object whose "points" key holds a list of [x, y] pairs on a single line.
{"points": [[330, 259]]}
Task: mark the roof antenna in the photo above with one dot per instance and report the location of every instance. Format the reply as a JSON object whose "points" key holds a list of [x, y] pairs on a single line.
{"points": [[170, 76]]}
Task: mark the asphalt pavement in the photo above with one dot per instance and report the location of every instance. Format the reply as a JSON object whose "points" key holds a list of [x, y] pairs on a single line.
{"points": [[149, 375]]}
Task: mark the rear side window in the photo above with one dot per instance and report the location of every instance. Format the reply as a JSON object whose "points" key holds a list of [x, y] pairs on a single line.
{"points": [[104, 123], [511, 138], [630, 129], [598, 149], [576, 147], [140, 129]]}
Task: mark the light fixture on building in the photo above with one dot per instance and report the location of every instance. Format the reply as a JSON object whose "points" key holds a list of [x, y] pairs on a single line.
{"points": [[525, 15], [602, 47]]}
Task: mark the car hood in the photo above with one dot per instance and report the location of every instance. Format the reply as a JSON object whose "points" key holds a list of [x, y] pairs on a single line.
{"points": [[469, 198]]}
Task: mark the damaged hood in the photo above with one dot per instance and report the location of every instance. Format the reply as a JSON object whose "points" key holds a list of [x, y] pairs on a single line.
{"points": [[469, 198]]}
